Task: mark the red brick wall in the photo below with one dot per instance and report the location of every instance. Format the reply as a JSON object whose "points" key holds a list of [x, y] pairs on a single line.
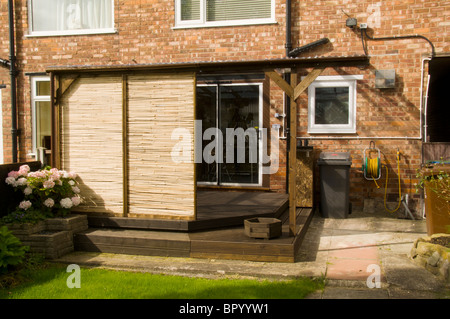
{"points": [[145, 34]]}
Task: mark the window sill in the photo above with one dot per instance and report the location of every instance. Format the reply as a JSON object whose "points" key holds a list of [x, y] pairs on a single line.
{"points": [[69, 33], [223, 24], [331, 132]]}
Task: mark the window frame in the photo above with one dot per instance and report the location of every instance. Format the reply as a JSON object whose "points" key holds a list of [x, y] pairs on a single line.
{"points": [[34, 99], [349, 81], [202, 23], [32, 33]]}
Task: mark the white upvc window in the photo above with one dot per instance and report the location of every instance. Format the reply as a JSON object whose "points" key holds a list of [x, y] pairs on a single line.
{"points": [[214, 13], [41, 113], [332, 104], [70, 17]]}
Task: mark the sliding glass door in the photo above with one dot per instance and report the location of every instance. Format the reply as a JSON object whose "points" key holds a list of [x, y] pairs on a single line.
{"points": [[230, 115]]}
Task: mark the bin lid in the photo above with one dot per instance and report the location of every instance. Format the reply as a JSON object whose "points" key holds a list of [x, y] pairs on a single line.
{"points": [[335, 158]]}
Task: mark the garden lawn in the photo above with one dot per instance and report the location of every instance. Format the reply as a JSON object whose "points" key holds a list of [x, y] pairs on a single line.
{"points": [[51, 283]]}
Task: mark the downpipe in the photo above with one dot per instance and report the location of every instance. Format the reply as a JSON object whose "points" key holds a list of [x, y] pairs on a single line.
{"points": [[13, 73]]}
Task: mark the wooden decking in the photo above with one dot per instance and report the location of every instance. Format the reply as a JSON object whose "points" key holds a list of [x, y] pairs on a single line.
{"points": [[215, 209], [218, 231]]}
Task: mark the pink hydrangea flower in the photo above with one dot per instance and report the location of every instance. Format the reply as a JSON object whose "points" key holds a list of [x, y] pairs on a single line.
{"points": [[76, 201], [49, 184], [24, 170], [66, 203], [25, 204], [49, 202], [27, 191]]}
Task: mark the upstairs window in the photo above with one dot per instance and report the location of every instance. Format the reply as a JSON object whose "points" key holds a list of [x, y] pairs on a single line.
{"points": [[210, 13], [70, 17]]}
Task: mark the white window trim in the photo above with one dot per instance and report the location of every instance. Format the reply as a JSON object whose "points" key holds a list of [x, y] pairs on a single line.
{"points": [[34, 99], [32, 33], [333, 81], [202, 23]]}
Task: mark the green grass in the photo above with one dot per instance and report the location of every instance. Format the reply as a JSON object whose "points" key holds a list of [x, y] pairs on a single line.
{"points": [[51, 283]]}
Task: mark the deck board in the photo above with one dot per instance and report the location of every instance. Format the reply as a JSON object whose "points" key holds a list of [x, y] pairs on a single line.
{"points": [[215, 209]]}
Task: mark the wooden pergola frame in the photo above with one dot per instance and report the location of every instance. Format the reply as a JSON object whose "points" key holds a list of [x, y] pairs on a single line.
{"points": [[293, 90]]}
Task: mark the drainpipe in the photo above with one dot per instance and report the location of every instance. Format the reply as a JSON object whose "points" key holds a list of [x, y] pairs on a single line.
{"points": [[12, 72], [288, 44]]}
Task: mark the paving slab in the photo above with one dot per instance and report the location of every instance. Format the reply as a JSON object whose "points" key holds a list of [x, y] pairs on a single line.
{"points": [[345, 252]]}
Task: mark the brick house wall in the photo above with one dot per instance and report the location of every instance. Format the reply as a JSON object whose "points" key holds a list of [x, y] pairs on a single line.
{"points": [[145, 33]]}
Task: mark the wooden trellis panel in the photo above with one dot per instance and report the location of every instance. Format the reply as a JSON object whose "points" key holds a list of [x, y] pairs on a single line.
{"points": [[158, 104], [91, 141]]}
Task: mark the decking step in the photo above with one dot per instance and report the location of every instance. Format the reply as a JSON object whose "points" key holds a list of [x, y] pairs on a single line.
{"points": [[224, 243], [134, 242]]}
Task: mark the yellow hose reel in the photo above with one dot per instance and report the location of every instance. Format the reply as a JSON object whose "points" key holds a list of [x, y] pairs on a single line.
{"points": [[372, 171], [372, 165]]}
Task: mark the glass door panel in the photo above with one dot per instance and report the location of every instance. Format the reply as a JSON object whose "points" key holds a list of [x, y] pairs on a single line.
{"points": [[235, 110], [206, 112], [239, 113]]}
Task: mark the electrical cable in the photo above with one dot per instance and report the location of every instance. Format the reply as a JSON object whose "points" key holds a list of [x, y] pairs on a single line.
{"points": [[433, 51], [362, 40]]}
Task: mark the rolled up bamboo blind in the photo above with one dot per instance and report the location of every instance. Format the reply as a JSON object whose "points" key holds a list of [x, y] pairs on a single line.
{"points": [[91, 141]]}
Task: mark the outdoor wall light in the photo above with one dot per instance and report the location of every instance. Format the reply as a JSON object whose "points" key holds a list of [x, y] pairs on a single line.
{"points": [[351, 22]]}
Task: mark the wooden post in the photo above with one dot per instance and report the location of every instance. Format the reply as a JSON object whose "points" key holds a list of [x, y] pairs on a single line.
{"points": [[292, 159], [293, 91], [125, 143]]}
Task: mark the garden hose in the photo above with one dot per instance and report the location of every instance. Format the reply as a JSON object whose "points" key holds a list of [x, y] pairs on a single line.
{"points": [[399, 186], [373, 168]]}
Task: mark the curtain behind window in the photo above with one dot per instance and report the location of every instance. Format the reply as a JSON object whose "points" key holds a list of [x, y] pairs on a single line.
{"points": [[222, 10], [61, 15], [190, 10]]}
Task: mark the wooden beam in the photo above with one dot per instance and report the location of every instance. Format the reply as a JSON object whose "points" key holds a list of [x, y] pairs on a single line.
{"points": [[292, 160], [288, 89], [125, 143], [64, 85], [307, 81]]}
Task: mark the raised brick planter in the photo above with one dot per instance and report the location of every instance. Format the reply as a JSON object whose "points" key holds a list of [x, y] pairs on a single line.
{"points": [[53, 237], [433, 253]]}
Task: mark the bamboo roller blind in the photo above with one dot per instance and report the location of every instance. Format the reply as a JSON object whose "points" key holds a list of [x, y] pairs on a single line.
{"points": [[157, 105], [91, 141]]}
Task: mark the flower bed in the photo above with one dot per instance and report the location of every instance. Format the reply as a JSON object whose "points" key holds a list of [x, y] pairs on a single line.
{"points": [[49, 191], [42, 220]]}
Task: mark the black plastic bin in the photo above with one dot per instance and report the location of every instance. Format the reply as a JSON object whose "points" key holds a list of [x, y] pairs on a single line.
{"points": [[334, 170]]}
